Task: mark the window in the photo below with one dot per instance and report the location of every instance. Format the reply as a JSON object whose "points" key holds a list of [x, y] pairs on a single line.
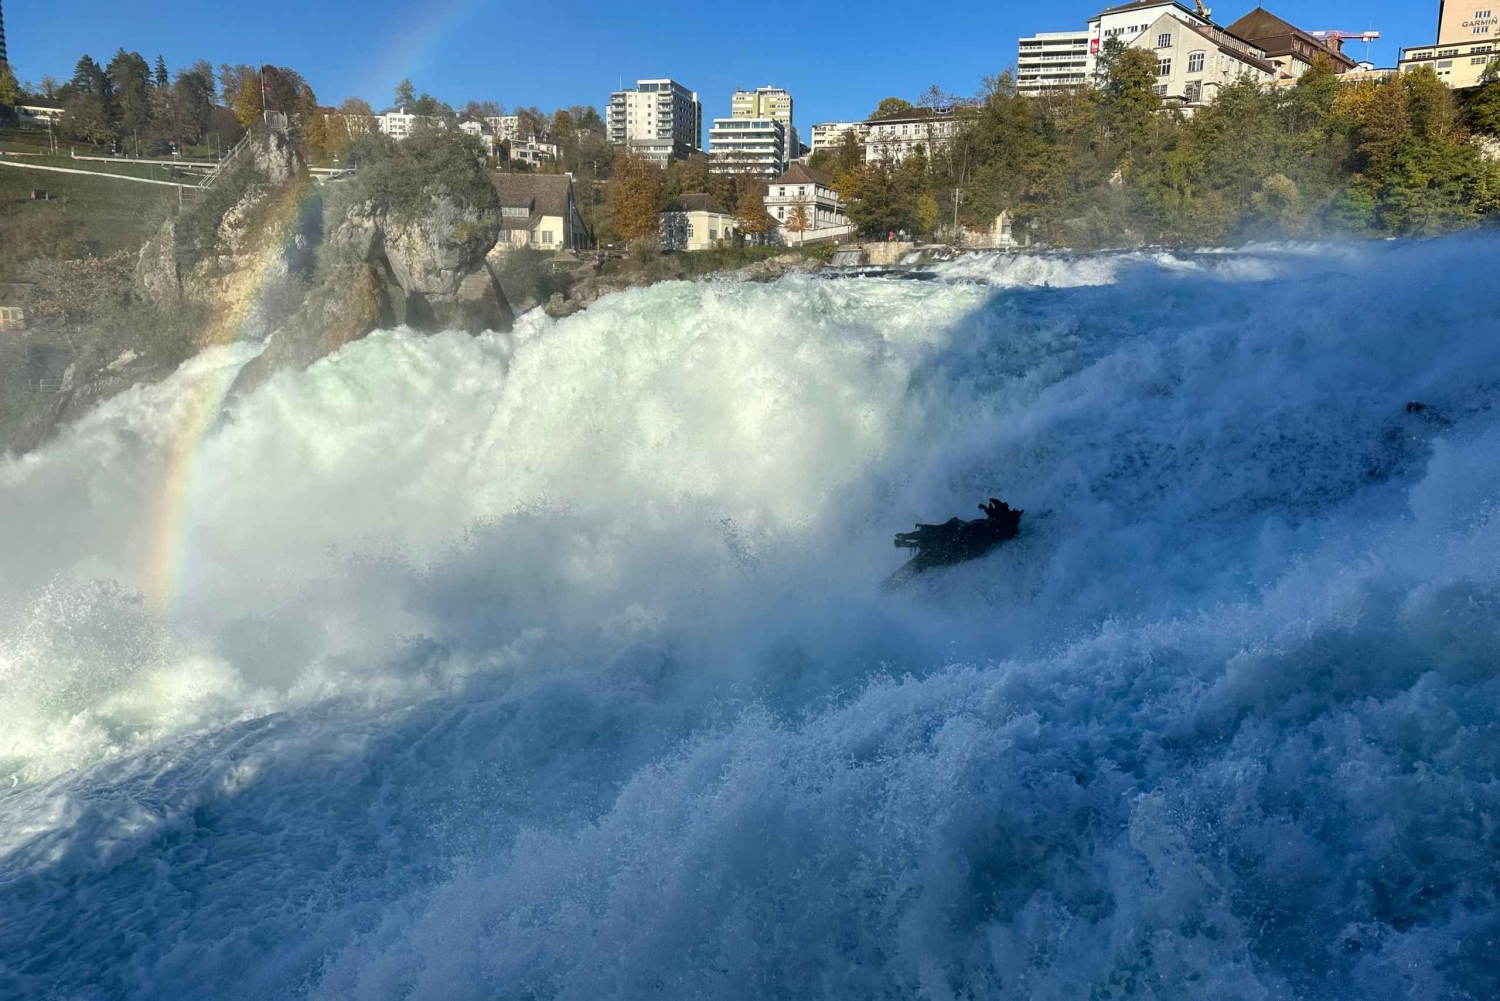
{"points": [[1164, 41], [546, 236], [1164, 67], [1193, 92], [1481, 29], [1160, 89], [1195, 62], [1446, 64]]}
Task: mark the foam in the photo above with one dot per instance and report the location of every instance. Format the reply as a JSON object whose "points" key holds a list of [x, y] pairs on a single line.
{"points": [[552, 664]]}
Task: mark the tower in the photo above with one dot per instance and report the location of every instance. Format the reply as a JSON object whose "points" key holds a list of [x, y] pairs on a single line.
{"points": [[3, 59]]}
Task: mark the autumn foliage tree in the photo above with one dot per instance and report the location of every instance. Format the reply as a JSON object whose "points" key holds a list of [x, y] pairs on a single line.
{"points": [[750, 215], [633, 197]]}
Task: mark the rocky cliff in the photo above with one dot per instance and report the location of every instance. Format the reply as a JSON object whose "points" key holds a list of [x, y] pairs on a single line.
{"points": [[267, 254]]}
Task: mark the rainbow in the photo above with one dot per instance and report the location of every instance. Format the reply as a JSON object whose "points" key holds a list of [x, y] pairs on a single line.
{"points": [[162, 575]]}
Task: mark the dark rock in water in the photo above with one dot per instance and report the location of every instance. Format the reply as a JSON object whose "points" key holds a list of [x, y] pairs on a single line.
{"points": [[956, 541]]}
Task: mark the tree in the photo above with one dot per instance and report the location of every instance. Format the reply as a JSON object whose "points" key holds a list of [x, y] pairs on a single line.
{"points": [[1131, 102], [130, 76], [406, 94], [288, 93], [247, 103], [892, 106], [750, 215], [161, 80], [88, 104], [192, 103], [232, 81], [1484, 105], [633, 198], [798, 222], [10, 91]]}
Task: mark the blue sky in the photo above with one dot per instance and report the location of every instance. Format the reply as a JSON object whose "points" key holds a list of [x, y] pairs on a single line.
{"points": [[838, 58]]}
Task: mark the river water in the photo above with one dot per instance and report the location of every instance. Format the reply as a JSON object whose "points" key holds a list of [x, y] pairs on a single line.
{"points": [[553, 665]]}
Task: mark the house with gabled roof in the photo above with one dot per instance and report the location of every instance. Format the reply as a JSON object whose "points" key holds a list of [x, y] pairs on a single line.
{"points": [[1287, 47], [806, 207], [540, 211], [1194, 63]]}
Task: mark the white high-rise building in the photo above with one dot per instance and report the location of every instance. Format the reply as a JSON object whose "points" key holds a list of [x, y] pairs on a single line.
{"points": [[756, 146], [659, 120], [1052, 61]]}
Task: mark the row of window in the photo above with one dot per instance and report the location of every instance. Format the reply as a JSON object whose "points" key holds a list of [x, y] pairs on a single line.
{"points": [[1195, 64]]}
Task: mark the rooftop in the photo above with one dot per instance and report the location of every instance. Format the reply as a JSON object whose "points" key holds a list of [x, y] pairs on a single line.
{"points": [[799, 174]]}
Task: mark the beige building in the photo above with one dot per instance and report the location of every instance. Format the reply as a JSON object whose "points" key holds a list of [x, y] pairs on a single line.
{"points": [[830, 135], [696, 222], [1458, 66], [810, 192], [1194, 63], [1466, 21], [539, 211], [1466, 45], [768, 102], [762, 102]]}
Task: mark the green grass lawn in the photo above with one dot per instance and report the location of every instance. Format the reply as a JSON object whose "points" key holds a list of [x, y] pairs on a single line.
{"points": [[109, 215]]}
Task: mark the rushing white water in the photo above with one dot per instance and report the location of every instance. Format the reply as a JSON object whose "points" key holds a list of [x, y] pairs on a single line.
{"points": [[553, 665]]}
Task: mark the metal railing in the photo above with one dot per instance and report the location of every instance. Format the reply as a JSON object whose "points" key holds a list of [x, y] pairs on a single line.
{"points": [[212, 177]]}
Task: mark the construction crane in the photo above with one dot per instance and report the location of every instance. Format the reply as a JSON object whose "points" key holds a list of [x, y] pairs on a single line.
{"points": [[1203, 11], [1340, 37]]}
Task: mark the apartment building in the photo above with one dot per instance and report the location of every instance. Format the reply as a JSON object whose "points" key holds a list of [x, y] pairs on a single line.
{"points": [[1194, 63], [767, 102], [1290, 49], [810, 193], [894, 137], [505, 127], [398, 124], [532, 152], [830, 135], [659, 120], [759, 147], [1052, 61], [1466, 43]]}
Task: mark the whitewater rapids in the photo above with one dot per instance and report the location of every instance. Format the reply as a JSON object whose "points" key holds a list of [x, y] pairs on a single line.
{"points": [[552, 665]]}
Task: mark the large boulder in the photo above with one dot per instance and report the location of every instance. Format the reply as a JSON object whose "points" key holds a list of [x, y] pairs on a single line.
{"points": [[351, 303], [438, 257]]}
